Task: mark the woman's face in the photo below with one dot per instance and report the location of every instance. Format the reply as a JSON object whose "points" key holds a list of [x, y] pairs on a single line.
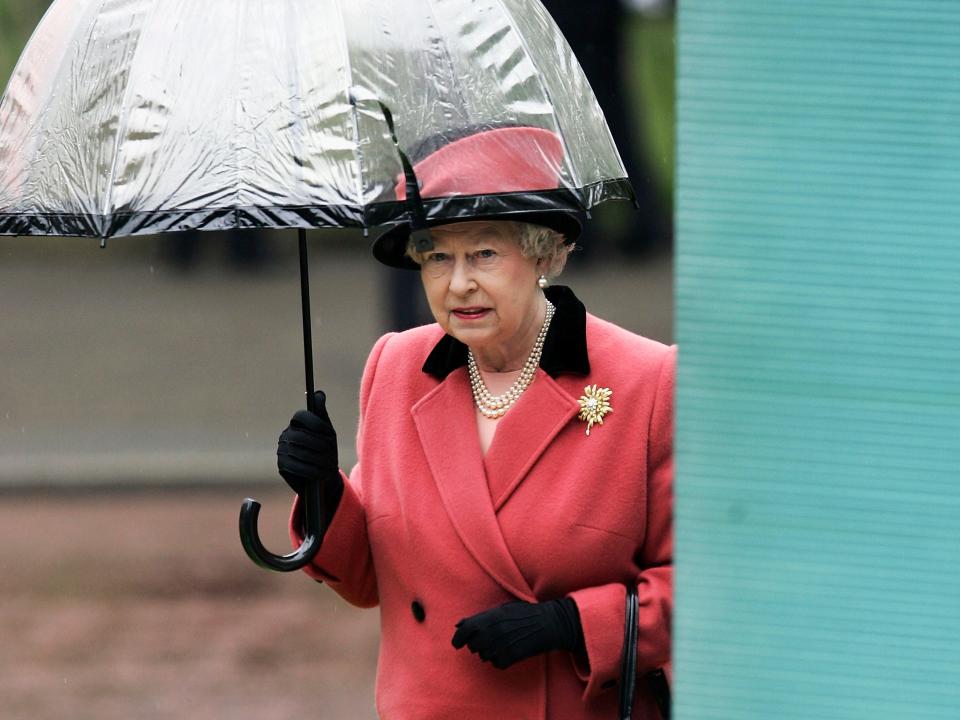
{"points": [[483, 291]]}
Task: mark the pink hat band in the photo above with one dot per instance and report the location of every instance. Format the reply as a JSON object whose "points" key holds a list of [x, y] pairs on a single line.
{"points": [[503, 160]]}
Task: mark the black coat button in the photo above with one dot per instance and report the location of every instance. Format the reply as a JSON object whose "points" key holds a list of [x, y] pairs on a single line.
{"points": [[609, 684], [418, 612]]}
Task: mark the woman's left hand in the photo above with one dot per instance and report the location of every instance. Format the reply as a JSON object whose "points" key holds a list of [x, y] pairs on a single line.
{"points": [[518, 630]]}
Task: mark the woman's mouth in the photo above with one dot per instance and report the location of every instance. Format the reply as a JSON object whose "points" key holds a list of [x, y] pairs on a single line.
{"points": [[470, 313]]}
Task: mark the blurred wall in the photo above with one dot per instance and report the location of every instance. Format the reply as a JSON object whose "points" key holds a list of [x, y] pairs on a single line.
{"points": [[818, 399]]}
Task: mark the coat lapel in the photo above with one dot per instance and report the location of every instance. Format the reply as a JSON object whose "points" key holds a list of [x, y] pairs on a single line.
{"points": [[524, 433], [447, 428]]}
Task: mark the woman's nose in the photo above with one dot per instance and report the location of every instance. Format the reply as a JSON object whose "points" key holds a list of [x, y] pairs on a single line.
{"points": [[461, 277]]}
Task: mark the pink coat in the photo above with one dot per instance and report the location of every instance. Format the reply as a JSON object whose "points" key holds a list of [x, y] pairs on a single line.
{"points": [[432, 531]]}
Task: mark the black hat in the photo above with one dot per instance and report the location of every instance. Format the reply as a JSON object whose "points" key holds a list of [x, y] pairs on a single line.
{"points": [[515, 171]]}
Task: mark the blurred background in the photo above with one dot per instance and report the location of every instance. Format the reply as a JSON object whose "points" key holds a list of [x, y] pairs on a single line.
{"points": [[144, 386]]}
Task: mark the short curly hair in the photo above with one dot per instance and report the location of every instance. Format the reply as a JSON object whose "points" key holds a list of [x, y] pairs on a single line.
{"points": [[535, 241]]}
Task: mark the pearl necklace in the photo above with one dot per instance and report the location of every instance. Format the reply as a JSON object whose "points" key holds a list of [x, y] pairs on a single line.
{"points": [[495, 406]]}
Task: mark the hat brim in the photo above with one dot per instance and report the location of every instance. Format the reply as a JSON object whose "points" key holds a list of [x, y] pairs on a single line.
{"points": [[390, 248]]}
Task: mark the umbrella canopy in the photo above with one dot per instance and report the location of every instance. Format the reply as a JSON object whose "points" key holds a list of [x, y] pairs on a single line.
{"points": [[130, 117]]}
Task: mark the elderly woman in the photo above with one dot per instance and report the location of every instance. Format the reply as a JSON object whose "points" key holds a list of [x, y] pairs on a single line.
{"points": [[514, 478]]}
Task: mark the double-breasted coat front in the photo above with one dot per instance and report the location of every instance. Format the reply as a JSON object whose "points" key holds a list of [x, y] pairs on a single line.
{"points": [[432, 530]]}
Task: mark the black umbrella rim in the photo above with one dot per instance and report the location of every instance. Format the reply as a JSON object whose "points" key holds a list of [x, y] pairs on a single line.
{"points": [[347, 215]]}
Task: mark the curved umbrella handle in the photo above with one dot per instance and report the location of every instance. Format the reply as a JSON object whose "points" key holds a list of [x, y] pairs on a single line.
{"points": [[312, 534], [250, 510]]}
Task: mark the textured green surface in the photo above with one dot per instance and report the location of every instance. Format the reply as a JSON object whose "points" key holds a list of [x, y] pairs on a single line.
{"points": [[818, 316], [17, 20]]}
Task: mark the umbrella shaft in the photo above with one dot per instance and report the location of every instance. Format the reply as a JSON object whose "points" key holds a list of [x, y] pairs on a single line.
{"points": [[305, 303]]}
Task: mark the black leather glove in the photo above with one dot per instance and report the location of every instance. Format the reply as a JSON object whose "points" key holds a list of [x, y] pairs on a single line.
{"points": [[518, 630], [307, 451]]}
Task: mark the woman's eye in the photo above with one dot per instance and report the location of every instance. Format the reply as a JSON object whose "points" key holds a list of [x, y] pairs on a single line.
{"points": [[436, 257], [485, 254]]}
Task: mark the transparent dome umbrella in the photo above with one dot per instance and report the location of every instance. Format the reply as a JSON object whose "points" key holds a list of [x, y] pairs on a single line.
{"points": [[130, 117]]}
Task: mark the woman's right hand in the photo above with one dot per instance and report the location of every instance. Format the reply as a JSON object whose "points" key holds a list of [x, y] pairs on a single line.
{"points": [[307, 450]]}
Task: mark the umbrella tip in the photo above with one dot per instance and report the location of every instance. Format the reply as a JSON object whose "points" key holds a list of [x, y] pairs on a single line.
{"points": [[103, 243]]}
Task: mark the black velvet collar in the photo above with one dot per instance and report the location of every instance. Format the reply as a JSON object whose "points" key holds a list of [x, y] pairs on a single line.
{"points": [[564, 348]]}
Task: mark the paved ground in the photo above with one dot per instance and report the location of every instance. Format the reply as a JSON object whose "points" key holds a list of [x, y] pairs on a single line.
{"points": [[129, 606]]}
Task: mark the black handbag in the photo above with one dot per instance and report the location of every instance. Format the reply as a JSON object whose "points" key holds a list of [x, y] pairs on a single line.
{"points": [[656, 679]]}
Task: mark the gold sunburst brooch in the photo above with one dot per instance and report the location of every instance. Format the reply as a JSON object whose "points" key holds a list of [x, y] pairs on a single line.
{"points": [[594, 404]]}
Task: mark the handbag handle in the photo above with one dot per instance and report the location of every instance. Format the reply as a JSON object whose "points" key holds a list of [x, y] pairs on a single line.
{"points": [[657, 679], [628, 659]]}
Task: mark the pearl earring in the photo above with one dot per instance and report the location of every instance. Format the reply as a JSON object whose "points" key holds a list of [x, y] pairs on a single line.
{"points": [[543, 282]]}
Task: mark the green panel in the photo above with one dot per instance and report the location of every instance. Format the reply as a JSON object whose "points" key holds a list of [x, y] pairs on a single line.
{"points": [[818, 430]]}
